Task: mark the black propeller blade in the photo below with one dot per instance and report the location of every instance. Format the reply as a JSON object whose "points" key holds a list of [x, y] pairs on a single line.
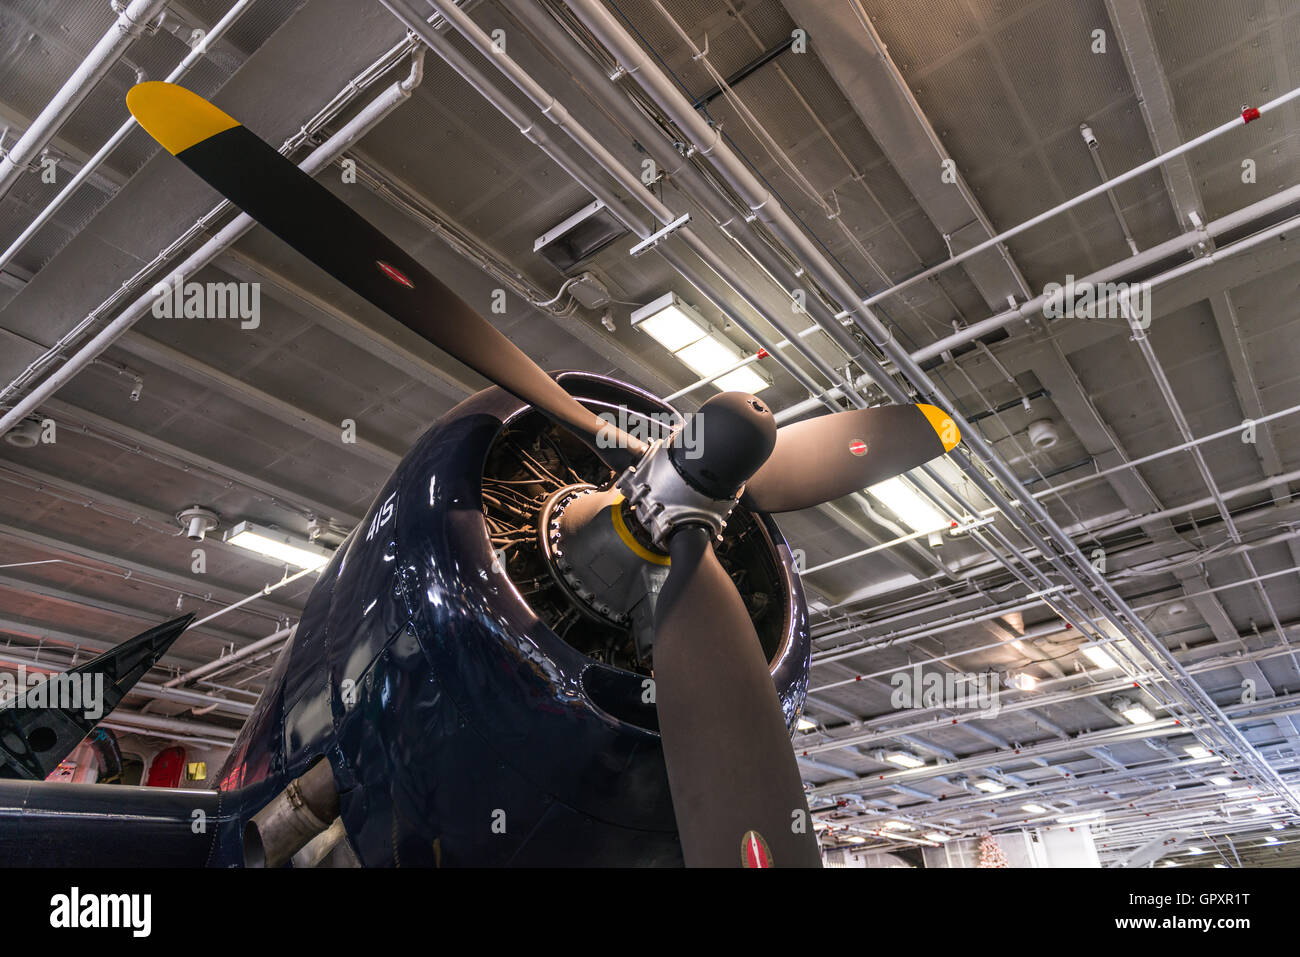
{"points": [[736, 788], [252, 175], [819, 460]]}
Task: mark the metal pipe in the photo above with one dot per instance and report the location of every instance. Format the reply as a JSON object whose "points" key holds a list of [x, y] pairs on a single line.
{"points": [[319, 159], [1094, 150], [45, 215], [131, 22], [1077, 687], [305, 808], [225, 661], [1031, 308], [177, 695], [178, 725]]}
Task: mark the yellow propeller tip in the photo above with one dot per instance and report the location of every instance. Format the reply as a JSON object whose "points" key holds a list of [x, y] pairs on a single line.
{"points": [[942, 424], [174, 116]]}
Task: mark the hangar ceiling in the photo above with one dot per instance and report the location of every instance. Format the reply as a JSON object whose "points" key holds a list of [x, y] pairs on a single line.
{"points": [[853, 137]]}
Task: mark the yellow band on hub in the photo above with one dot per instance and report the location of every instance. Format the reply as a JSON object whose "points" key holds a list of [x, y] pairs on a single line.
{"points": [[625, 535]]}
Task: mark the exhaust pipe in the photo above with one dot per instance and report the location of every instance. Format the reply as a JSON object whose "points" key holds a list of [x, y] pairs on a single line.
{"points": [[305, 808]]}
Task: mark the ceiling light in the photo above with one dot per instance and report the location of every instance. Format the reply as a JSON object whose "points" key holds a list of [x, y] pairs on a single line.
{"points": [[1222, 866], [1195, 850], [857, 840], [1033, 808], [904, 759], [1197, 751], [714, 353], [278, 545], [1024, 682], [805, 724], [1278, 825], [1076, 818], [687, 335], [670, 322], [1271, 840], [896, 826], [1132, 711], [1221, 781], [937, 836], [991, 786], [1098, 656], [910, 509]]}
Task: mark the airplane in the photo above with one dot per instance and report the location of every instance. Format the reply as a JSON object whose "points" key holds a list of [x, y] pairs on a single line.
{"points": [[548, 642]]}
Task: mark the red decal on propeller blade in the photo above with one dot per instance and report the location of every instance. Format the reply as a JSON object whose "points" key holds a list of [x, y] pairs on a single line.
{"points": [[858, 447], [754, 851], [396, 275]]}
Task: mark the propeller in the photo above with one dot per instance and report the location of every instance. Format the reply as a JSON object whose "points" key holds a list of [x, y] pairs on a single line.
{"points": [[736, 788], [737, 794], [819, 460], [735, 785], [268, 187]]}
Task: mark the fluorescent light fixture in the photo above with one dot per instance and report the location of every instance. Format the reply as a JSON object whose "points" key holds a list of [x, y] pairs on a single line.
{"points": [[278, 545], [912, 510], [1278, 825], [1024, 682], [1132, 711], [1195, 850], [689, 336], [857, 840], [937, 836], [1197, 751], [904, 759], [896, 826], [714, 353], [746, 379], [991, 786], [1077, 818], [1222, 867], [1033, 808], [805, 724], [1221, 781], [670, 322], [1098, 656], [1271, 840]]}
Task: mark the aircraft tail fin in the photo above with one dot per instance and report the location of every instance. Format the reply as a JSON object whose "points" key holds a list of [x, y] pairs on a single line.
{"points": [[33, 740]]}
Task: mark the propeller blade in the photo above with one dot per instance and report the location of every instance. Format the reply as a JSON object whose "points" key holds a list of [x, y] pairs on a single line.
{"points": [[819, 460], [731, 769], [271, 189]]}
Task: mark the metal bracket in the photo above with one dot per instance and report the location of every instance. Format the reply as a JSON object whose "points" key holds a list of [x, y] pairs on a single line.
{"points": [[654, 238]]}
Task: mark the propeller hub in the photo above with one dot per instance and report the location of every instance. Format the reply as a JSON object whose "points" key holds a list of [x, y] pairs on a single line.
{"points": [[697, 474], [723, 444]]}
